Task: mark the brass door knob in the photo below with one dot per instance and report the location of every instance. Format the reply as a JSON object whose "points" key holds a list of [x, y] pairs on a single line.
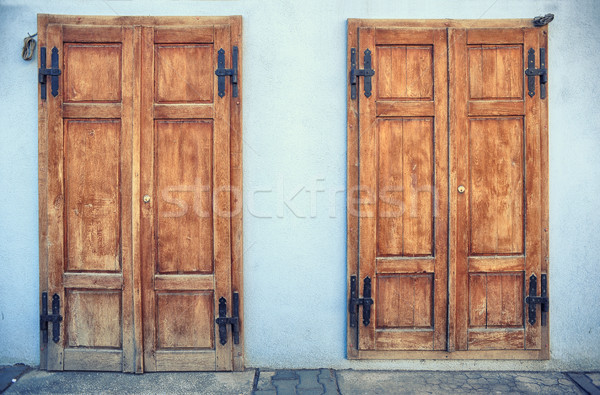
{"points": [[461, 189], [146, 198]]}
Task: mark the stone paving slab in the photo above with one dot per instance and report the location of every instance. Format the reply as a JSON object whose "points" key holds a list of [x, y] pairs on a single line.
{"points": [[369, 382], [595, 377], [584, 382], [9, 373], [226, 383]]}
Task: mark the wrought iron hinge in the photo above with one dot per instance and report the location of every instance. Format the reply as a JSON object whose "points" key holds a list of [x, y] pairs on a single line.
{"points": [[532, 72], [367, 72], [234, 320], [222, 72], [355, 301], [542, 300], [53, 72], [55, 318]]}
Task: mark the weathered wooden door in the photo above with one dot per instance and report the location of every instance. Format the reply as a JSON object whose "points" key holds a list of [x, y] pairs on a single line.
{"points": [[140, 220], [446, 183]]}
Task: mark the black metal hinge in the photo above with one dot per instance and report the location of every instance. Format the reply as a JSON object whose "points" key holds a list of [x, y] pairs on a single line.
{"points": [[222, 72], [55, 318], [542, 300], [53, 72], [355, 301], [234, 320], [367, 72], [531, 72]]}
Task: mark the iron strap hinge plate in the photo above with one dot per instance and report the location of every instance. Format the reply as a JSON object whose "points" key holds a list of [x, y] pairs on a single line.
{"points": [[367, 73], [234, 320], [53, 72], [531, 72], [222, 72], [532, 300], [55, 318], [355, 301]]}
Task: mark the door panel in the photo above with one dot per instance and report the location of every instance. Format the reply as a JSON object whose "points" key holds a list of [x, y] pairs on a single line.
{"points": [[140, 277], [186, 242], [403, 168], [90, 260], [498, 230]]}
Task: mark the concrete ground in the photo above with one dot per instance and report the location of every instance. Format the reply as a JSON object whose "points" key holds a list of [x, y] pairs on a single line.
{"points": [[21, 379]]}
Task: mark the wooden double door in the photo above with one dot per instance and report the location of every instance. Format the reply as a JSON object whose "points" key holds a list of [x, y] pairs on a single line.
{"points": [[140, 192], [447, 190]]}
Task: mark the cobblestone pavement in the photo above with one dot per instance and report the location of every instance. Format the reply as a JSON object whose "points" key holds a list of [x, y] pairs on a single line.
{"points": [[326, 381]]}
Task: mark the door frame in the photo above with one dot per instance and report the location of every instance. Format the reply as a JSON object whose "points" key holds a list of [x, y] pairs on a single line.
{"points": [[352, 218], [45, 203]]}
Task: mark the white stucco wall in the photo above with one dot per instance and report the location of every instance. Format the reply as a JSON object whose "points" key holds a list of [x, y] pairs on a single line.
{"points": [[294, 138]]}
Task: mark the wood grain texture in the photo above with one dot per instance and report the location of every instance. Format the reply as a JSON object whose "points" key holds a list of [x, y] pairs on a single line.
{"points": [[352, 185], [496, 72], [405, 72], [136, 263], [93, 318], [193, 34], [92, 186], [545, 195], [185, 320], [459, 210], [147, 257], [101, 83], [103, 360], [42, 186], [409, 175], [236, 152], [496, 340], [456, 355], [496, 185], [533, 186], [368, 146], [222, 198], [405, 301], [180, 76], [184, 209]]}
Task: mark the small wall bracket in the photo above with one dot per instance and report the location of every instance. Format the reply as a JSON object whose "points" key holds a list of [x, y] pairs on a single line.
{"points": [[355, 301], [367, 73], [234, 320], [222, 72]]}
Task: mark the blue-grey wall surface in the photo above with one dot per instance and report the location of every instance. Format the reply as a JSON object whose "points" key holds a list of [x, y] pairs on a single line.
{"points": [[294, 173]]}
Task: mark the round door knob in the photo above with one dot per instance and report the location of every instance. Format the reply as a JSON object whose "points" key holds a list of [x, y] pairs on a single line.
{"points": [[146, 198], [461, 189]]}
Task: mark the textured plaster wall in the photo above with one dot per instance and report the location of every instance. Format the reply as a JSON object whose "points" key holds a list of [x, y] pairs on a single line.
{"points": [[294, 172]]}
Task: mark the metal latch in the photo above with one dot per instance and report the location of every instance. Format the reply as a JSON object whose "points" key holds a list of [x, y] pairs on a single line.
{"points": [[55, 318], [542, 300], [367, 73], [532, 72], [234, 320], [53, 72], [355, 301], [222, 72]]}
